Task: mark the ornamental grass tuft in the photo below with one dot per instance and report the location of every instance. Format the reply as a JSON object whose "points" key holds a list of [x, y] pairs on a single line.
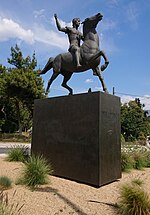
{"points": [[126, 162], [7, 207], [18, 153], [35, 172], [5, 182], [133, 200], [139, 161]]}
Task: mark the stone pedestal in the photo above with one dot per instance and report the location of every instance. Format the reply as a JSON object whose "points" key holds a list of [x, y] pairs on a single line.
{"points": [[80, 136]]}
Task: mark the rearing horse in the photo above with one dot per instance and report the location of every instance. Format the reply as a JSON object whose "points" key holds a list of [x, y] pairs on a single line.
{"points": [[90, 55]]}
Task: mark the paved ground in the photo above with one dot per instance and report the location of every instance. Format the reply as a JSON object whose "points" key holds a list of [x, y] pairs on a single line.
{"points": [[5, 146]]}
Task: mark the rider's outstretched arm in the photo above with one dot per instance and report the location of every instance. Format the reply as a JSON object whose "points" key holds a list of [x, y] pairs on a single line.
{"points": [[58, 24]]}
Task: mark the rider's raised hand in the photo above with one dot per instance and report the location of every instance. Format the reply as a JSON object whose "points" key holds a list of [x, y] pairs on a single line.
{"points": [[55, 15]]}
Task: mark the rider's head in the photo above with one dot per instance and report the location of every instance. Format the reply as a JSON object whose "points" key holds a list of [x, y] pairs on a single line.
{"points": [[76, 22]]}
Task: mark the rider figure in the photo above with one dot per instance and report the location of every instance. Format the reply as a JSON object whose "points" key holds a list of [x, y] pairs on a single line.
{"points": [[74, 36]]}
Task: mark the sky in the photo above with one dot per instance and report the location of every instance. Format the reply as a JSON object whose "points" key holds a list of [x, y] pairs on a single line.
{"points": [[124, 34]]}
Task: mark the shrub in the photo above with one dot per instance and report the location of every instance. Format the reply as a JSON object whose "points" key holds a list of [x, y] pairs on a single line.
{"points": [[5, 182], [133, 200], [35, 172], [126, 162], [142, 139], [18, 153], [6, 208]]}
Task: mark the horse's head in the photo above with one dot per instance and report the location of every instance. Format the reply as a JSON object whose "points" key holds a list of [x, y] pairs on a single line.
{"points": [[91, 22]]}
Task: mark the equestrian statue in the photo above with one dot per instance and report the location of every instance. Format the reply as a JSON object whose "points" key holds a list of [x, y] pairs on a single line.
{"points": [[78, 58]]}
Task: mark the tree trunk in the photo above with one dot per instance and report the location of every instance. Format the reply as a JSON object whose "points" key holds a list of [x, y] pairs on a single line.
{"points": [[18, 116]]}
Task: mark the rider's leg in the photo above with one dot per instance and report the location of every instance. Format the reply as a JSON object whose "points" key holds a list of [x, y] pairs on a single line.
{"points": [[77, 58]]}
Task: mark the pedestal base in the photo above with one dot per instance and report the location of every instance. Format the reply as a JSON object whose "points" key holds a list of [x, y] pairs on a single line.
{"points": [[80, 136]]}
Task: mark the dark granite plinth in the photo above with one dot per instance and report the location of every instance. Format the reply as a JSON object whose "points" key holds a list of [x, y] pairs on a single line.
{"points": [[80, 136]]}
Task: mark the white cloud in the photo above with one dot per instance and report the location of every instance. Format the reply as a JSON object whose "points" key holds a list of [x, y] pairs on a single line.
{"points": [[113, 3], [132, 15], [108, 25], [98, 88], [50, 37], [108, 44], [89, 80], [10, 29], [144, 100], [39, 13], [62, 23]]}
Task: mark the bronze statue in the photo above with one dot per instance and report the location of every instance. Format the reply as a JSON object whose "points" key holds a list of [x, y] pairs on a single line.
{"points": [[89, 55], [74, 37]]}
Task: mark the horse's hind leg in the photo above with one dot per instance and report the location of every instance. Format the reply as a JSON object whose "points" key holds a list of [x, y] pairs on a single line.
{"points": [[64, 83], [53, 77], [97, 70]]}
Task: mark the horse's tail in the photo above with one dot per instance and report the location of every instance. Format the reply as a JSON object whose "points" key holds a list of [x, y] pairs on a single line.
{"points": [[48, 66]]}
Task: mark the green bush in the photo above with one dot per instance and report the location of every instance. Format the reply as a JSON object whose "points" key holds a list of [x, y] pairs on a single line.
{"points": [[7, 208], [5, 182], [126, 162], [133, 200], [35, 172], [9, 127], [18, 153]]}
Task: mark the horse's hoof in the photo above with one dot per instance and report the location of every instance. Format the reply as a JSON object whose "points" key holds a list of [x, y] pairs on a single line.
{"points": [[106, 91]]}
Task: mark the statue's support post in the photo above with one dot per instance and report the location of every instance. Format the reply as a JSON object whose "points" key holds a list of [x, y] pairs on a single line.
{"points": [[80, 136]]}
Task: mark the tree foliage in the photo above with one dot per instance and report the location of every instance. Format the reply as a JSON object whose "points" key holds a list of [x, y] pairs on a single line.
{"points": [[19, 61], [134, 120], [19, 87]]}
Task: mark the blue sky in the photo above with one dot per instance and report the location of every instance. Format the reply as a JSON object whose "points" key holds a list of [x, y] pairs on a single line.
{"points": [[124, 36]]}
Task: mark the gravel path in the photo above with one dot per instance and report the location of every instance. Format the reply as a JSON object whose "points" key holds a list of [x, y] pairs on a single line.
{"points": [[64, 197]]}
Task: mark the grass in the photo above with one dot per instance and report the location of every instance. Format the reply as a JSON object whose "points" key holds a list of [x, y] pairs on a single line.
{"points": [[139, 161], [35, 172], [126, 162], [7, 208], [146, 156], [18, 153], [5, 182], [135, 156], [134, 200], [137, 182]]}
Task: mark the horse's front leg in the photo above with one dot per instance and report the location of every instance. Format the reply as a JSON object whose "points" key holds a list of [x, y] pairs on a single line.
{"points": [[104, 66], [98, 72]]}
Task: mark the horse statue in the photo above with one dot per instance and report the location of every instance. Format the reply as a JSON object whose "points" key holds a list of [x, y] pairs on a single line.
{"points": [[90, 56]]}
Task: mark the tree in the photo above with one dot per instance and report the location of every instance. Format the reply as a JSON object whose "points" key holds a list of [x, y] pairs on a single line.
{"points": [[134, 120], [22, 86], [19, 61], [2, 95]]}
